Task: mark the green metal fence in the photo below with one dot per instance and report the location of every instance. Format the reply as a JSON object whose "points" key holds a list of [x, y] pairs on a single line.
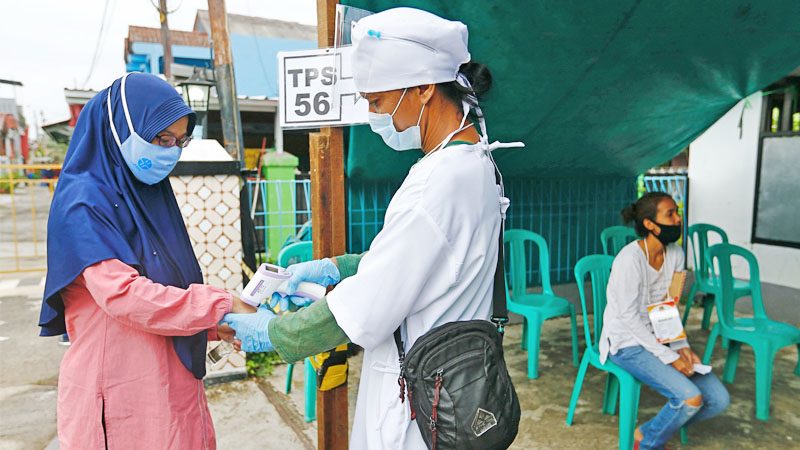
{"points": [[281, 209], [366, 207], [569, 213]]}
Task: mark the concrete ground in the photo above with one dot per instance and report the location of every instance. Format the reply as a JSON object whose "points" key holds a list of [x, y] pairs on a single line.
{"points": [[29, 367], [544, 401], [23, 228], [256, 414]]}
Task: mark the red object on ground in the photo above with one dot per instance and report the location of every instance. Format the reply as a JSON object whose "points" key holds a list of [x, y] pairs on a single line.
{"points": [[24, 147]]}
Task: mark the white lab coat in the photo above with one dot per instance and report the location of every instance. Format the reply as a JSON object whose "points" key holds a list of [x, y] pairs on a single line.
{"points": [[432, 263]]}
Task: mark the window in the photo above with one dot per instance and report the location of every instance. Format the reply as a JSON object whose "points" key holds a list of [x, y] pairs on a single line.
{"points": [[776, 213]]}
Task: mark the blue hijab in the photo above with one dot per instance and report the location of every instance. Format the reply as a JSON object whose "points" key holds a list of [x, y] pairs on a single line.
{"points": [[101, 211]]}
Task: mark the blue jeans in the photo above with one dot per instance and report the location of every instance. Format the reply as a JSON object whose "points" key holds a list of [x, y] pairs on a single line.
{"points": [[677, 388]]}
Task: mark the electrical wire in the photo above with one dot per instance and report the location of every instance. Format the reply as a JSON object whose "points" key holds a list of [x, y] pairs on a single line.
{"points": [[158, 8], [108, 13]]}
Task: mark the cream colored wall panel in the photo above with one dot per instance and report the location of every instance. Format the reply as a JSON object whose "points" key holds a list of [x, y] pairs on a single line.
{"points": [[210, 208]]}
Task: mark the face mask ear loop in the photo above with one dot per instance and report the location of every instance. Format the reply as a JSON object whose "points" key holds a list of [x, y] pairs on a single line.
{"points": [[111, 119], [419, 120], [125, 106], [399, 101]]}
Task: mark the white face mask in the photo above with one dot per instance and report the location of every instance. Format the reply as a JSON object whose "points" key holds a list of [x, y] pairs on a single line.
{"points": [[383, 125]]}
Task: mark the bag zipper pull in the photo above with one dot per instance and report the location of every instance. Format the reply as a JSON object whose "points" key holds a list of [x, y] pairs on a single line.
{"points": [[411, 404], [437, 386], [401, 379]]}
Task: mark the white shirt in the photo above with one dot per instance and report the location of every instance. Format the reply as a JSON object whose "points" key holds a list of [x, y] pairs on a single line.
{"points": [[633, 285], [432, 263]]}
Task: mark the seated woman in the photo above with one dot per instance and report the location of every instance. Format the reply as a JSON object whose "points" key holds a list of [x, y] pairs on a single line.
{"points": [[640, 276]]}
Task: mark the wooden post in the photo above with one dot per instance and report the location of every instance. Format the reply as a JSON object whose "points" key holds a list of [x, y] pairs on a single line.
{"points": [[328, 233], [226, 84], [165, 42]]}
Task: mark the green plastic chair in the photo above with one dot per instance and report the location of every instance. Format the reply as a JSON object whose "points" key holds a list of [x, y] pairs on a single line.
{"points": [[704, 279], [765, 336], [293, 254], [534, 308], [619, 382], [619, 236]]}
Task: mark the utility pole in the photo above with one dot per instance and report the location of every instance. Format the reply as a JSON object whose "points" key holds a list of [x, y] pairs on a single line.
{"points": [[162, 16], [226, 84], [329, 232]]}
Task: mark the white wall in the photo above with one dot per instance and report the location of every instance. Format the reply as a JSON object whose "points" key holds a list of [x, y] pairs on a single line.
{"points": [[722, 180]]}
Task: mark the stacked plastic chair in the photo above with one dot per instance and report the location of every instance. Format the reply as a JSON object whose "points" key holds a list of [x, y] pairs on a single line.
{"points": [[535, 308], [616, 237], [765, 336], [704, 278]]}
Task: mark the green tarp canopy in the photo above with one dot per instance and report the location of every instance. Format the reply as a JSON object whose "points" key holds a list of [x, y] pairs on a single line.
{"points": [[604, 88]]}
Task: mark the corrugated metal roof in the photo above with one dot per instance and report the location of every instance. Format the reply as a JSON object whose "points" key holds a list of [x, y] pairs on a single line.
{"points": [[246, 103], [78, 96], [255, 42], [259, 26], [146, 34]]}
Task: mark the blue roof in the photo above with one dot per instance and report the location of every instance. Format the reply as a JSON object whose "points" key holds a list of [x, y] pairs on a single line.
{"points": [[255, 62]]}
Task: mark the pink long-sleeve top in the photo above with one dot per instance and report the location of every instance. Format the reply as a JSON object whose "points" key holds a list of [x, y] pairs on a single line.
{"points": [[121, 384]]}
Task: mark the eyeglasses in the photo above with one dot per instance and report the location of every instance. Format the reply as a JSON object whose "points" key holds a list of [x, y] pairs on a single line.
{"points": [[167, 139]]}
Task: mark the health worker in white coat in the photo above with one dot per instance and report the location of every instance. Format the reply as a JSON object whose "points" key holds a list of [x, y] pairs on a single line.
{"points": [[434, 260]]}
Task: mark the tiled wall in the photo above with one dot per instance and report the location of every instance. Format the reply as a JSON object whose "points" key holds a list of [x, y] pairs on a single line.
{"points": [[210, 208]]}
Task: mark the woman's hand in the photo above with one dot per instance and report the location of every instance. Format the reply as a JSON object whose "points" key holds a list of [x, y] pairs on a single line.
{"points": [[683, 366], [228, 334], [695, 358], [240, 307], [225, 332], [689, 356]]}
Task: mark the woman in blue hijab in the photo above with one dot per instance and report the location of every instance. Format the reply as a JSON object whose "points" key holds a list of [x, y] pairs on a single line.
{"points": [[123, 280]]}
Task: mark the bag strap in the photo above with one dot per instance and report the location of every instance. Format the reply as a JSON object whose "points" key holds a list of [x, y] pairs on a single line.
{"points": [[499, 307], [398, 341]]}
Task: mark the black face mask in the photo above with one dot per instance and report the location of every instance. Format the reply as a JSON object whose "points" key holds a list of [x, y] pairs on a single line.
{"points": [[669, 233]]}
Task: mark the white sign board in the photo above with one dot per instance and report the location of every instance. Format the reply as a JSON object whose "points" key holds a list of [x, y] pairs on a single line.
{"points": [[311, 93]]}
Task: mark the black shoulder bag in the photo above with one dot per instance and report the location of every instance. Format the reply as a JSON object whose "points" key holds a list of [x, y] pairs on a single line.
{"points": [[458, 386]]}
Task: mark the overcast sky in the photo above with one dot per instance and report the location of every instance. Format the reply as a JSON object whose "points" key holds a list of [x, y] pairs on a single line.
{"points": [[48, 45]]}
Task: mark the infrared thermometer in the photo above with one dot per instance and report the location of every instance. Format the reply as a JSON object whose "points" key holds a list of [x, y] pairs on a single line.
{"points": [[269, 279]]}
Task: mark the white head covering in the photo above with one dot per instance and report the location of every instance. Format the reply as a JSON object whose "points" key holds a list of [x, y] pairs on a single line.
{"points": [[405, 47]]}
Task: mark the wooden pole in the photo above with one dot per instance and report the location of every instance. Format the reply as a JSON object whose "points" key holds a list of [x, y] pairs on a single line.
{"points": [[328, 233], [162, 13], [226, 85]]}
